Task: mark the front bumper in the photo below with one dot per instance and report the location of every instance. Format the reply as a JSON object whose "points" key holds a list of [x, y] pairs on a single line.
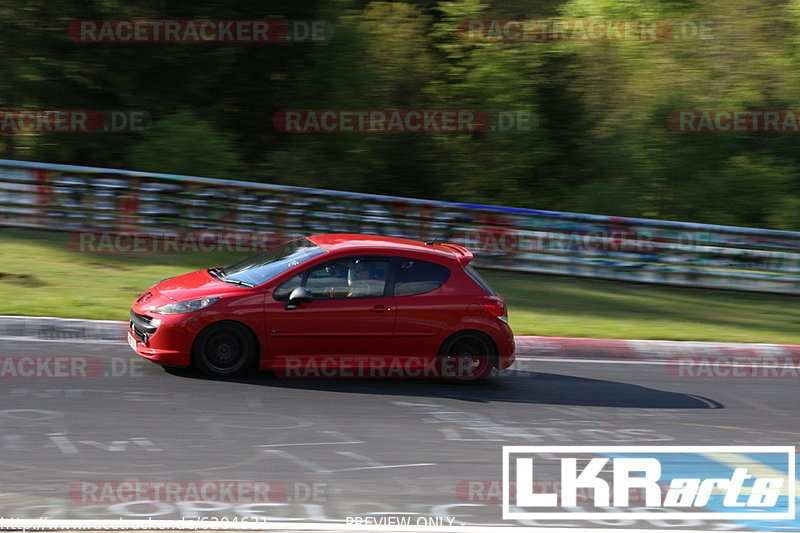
{"points": [[161, 339]]}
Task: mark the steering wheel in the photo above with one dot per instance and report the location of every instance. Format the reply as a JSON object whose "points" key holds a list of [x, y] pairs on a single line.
{"points": [[359, 288]]}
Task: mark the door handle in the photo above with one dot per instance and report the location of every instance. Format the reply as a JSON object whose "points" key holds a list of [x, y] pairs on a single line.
{"points": [[381, 308]]}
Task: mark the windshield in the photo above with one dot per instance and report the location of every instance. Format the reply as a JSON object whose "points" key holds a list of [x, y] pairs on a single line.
{"points": [[262, 267]]}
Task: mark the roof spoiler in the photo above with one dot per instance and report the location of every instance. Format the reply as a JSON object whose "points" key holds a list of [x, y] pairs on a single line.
{"points": [[464, 256]]}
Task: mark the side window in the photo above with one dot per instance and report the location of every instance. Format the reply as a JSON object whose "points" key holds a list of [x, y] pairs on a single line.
{"points": [[329, 280], [418, 277], [350, 277], [366, 277]]}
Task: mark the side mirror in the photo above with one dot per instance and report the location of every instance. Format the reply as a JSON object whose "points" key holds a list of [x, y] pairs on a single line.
{"points": [[299, 295]]}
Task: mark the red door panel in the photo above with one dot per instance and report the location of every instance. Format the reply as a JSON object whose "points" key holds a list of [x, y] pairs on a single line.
{"points": [[345, 326]]}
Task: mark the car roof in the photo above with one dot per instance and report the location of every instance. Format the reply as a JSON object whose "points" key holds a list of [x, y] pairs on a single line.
{"points": [[339, 241]]}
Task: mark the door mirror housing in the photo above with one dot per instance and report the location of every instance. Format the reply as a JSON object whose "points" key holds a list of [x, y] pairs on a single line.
{"points": [[299, 295]]}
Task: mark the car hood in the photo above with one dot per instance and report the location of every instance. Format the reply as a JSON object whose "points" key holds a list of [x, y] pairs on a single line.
{"points": [[189, 286]]}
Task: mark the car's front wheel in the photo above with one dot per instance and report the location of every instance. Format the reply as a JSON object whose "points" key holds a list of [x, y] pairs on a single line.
{"points": [[225, 349], [466, 357]]}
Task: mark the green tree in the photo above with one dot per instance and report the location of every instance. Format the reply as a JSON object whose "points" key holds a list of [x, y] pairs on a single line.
{"points": [[182, 143], [499, 79]]}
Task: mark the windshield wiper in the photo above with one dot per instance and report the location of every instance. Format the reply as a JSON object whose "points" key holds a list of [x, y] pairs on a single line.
{"points": [[220, 275], [217, 273], [237, 282]]}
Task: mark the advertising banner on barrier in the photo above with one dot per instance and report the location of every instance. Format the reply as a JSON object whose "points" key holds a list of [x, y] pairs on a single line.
{"points": [[117, 211]]}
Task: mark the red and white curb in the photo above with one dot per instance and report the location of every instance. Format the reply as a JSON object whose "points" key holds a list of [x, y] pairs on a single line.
{"points": [[683, 359], [642, 350], [528, 346]]}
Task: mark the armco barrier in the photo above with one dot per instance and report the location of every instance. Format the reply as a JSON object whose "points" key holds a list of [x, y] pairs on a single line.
{"points": [[72, 198]]}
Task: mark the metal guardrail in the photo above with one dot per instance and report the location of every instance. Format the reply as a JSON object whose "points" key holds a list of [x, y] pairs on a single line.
{"points": [[86, 199]]}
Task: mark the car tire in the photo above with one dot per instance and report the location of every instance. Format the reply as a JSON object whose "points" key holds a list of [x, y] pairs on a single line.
{"points": [[225, 349], [467, 357]]}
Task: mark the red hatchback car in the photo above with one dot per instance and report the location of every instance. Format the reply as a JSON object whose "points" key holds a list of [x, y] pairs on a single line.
{"points": [[330, 305]]}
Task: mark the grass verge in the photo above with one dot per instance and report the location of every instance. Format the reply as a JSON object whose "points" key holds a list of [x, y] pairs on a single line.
{"points": [[41, 276]]}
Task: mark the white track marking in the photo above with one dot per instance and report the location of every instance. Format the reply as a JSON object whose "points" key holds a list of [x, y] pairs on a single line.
{"points": [[149, 525]]}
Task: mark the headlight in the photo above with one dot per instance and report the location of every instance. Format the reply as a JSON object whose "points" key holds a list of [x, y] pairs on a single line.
{"points": [[184, 307]]}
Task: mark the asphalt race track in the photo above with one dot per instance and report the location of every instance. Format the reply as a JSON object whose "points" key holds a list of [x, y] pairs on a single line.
{"points": [[329, 449]]}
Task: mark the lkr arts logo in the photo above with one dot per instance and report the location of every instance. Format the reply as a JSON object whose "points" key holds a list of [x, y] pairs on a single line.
{"points": [[677, 482]]}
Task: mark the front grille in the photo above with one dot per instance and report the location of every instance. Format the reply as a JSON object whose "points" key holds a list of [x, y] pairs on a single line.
{"points": [[142, 327]]}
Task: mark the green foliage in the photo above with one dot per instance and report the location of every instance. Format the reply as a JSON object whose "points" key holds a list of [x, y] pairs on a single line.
{"points": [[599, 141], [184, 144]]}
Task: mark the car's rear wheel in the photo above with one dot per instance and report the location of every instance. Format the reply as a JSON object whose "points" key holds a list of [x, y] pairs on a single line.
{"points": [[466, 357], [225, 349]]}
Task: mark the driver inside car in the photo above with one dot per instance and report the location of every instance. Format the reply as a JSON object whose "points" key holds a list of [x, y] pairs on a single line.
{"points": [[362, 280]]}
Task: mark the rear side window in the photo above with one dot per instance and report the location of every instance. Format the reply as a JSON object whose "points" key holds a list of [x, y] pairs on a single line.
{"points": [[418, 277], [479, 280]]}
